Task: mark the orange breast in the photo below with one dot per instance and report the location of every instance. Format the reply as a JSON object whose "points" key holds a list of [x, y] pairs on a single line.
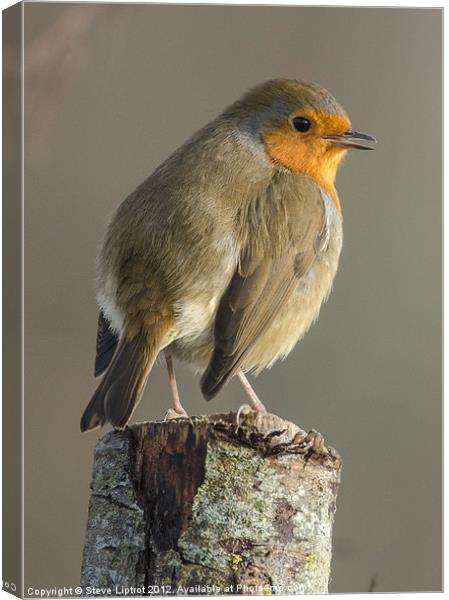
{"points": [[310, 154]]}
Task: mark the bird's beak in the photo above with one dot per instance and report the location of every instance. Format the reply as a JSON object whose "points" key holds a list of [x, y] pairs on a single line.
{"points": [[349, 139]]}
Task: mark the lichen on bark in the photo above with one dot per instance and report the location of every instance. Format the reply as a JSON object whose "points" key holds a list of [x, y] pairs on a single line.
{"points": [[115, 534], [204, 502]]}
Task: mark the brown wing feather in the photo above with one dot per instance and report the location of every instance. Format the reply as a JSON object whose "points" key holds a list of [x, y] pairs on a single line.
{"points": [[107, 341], [260, 286]]}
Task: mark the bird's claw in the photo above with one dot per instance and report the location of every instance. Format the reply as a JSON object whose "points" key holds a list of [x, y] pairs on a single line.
{"points": [[311, 442], [173, 414], [247, 409]]}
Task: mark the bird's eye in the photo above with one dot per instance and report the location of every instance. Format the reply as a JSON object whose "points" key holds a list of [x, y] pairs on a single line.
{"points": [[301, 124]]}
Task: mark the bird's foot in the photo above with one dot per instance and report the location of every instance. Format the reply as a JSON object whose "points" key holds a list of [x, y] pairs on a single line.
{"points": [[311, 444], [177, 410], [256, 405], [311, 441], [175, 414], [246, 409]]}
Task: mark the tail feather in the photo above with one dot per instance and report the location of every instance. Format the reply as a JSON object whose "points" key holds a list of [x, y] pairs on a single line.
{"points": [[93, 416], [123, 384]]}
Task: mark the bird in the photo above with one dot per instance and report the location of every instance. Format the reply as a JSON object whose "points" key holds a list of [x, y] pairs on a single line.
{"points": [[224, 255]]}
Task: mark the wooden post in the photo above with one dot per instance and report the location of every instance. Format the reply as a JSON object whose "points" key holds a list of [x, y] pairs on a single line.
{"points": [[203, 506]]}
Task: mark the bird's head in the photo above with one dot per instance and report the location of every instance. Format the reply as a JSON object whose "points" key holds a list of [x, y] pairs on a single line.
{"points": [[300, 126]]}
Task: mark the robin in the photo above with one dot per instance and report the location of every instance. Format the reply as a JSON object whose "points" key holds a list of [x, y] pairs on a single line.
{"points": [[224, 255]]}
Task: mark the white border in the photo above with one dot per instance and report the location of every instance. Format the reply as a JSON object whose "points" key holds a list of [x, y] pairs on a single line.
{"points": [[311, 3]]}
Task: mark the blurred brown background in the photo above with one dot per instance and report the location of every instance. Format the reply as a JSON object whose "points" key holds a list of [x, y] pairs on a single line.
{"points": [[110, 91]]}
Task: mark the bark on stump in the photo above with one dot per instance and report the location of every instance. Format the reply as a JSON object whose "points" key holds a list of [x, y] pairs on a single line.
{"points": [[202, 506]]}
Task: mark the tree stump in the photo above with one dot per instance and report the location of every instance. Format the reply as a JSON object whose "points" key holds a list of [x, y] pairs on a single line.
{"points": [[206, 506]]}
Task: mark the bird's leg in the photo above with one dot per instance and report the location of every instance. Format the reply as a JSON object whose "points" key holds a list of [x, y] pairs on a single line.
{"points": [[177, 409], [256, 404]]}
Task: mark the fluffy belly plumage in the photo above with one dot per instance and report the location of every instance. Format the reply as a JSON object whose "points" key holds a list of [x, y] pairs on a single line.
{"points": [[193, 336], [195, 342], [295, 317]]}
